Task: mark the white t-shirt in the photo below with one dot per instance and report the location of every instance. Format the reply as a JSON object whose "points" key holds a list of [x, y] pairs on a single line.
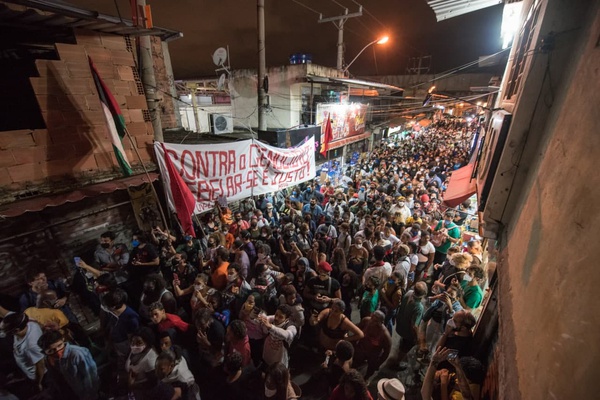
{"points": [[424, 251], [145, 365], [26, 350]]}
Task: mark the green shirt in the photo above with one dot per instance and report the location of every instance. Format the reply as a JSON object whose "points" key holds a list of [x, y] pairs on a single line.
{"points": [[453, 232], [472, 296], [410, 314]]}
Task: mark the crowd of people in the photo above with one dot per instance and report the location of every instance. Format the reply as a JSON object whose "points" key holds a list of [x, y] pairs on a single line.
{"points": [[317, 271]]}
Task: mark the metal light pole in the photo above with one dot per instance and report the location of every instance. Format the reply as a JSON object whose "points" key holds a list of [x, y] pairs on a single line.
{"points": [[378, 41], [262, 66], [339, 24]]}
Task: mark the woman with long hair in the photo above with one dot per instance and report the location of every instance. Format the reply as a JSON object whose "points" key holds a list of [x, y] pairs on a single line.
{"points": [[278, 385], [338, 262]]}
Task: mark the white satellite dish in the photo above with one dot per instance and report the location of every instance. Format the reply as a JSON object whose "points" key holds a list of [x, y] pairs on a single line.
{"points": [[221, 83], [220, 56]]}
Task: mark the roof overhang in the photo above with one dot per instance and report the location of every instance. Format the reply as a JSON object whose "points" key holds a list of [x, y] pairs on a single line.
{"points": [[445, 9], [39, 203], [356, 83], [57, 14]]}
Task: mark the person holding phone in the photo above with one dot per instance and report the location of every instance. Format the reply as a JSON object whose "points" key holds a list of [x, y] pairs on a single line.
{"points": [[448, 375]]}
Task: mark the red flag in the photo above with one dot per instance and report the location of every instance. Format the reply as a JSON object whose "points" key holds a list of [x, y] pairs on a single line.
{"points": [[183, 199], [327, 136]]}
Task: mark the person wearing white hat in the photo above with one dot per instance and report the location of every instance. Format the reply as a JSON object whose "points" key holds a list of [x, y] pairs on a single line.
{"points": [[390, 389]]}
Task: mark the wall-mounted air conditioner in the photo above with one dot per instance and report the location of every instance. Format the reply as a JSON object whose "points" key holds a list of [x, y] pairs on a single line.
{"points": [[221, 123]]}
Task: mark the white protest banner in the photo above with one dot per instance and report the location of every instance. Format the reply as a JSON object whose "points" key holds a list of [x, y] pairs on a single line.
{"points": [[236, 170]]}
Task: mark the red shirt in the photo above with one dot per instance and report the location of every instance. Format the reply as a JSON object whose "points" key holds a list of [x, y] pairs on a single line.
{"points": [[173, 321], [242, 347]]}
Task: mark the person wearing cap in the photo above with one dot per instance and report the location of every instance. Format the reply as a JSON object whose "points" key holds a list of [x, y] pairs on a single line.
{"points": [[450, 234], [271, 215], [320, 290], [390, 389], [28, 354]]}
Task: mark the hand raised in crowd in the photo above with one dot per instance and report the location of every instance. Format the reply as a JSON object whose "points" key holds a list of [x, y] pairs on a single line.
{"points": [[265, 321], [440, 355], [202, 339]]}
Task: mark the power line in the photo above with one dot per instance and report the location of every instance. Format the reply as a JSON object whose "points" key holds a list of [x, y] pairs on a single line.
{"points": [[307, 7], [341, 5], [374, 17], [460, 68]]}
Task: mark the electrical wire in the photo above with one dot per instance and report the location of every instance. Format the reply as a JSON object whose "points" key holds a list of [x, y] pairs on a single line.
{"points": [[307, 7], [459, 68], [341, 5]]}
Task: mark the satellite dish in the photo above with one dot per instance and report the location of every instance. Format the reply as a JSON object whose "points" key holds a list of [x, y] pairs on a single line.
{"points": [[220, 56], [221, 82]]}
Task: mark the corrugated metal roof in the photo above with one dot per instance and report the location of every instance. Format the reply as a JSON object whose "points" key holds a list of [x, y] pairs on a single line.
{"points": [[355, 83], [445, 9], [55, 14]]}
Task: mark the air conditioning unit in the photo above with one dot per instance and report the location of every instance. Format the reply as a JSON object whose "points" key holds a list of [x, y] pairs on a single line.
{"points": [[221, 123]]}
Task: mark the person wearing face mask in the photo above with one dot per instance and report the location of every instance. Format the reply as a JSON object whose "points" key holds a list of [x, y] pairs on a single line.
{"points": [[197, 292], [141, 362], [472, 292], [448, 234], [320, 290], [70, 364], [237, 288], [109, 255], [458, 334], [400, 206], [280, 334], [358, 256], [174, 371]]}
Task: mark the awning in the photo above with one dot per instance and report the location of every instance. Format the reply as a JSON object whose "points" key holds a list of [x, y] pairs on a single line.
{"points": [[356, 83], [460, 187], [39, 203], [445, 9], [52, 13], [351, 139]]}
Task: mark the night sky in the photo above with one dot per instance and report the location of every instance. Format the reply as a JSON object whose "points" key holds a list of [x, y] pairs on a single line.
{"points": [[411, 25]]}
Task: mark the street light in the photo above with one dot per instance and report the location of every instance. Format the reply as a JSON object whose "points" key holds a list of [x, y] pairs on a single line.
{"points": [[381, 40]]}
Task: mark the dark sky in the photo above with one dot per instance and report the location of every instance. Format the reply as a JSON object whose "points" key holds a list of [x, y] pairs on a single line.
{"points": [[411, 24]]}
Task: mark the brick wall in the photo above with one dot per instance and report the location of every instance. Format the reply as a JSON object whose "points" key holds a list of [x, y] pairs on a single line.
{"points": [[164, 82], [74, 149]]}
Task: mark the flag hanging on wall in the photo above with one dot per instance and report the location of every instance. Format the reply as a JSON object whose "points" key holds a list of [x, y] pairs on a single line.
{"points": [[114, 119], [183, 199], [327, 136]]}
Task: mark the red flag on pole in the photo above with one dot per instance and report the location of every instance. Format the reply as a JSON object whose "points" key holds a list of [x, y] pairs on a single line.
{"points": [[327, 136], [183, 198]]}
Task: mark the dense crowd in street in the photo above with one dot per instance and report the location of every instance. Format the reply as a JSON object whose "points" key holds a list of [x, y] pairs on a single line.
{"points": [[328, 272]]}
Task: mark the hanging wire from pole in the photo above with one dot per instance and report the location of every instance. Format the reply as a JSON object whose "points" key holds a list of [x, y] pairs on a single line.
{"points": [[307, 7]]}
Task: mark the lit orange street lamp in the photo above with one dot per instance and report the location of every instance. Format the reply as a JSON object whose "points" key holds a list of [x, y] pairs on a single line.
{"points": [[381, 40]]}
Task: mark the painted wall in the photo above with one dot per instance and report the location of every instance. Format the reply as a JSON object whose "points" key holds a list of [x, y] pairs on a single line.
{"points": [[549, 322]]}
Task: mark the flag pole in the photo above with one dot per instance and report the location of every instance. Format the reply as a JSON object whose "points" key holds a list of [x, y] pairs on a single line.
{"points": [[160, 209]]}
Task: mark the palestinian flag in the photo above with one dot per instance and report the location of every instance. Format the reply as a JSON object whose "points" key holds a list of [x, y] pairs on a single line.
{"points": [[114, 119]]}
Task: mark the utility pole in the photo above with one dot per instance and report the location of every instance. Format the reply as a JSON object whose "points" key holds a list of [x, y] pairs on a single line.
{"points": [[148, 78], [262, 67], [341, 20]]}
